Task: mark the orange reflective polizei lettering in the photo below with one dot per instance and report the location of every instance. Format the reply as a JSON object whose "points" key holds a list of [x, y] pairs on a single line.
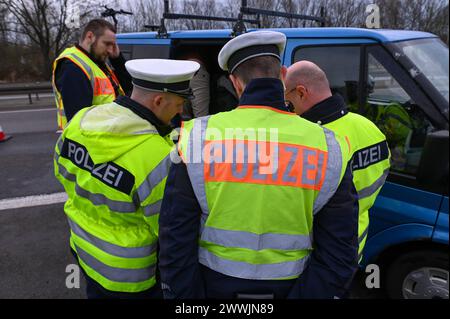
{"points": [[264, 163]]}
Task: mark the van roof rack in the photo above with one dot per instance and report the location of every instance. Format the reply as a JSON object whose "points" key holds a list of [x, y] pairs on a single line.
{"points": [[162, 31], [252, 11], [239, 26]]}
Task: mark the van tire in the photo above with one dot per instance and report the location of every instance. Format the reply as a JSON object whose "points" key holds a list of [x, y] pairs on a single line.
{"points": [[419, 275]]}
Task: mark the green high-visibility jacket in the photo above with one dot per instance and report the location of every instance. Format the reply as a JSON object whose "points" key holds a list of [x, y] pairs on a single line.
{"points": [[113, 165]]}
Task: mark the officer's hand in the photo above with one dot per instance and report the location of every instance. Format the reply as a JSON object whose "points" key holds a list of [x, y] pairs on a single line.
{"points": [[115, 52]]}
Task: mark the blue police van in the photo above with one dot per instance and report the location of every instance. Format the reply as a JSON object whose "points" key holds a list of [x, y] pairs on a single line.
{"points": [[399, 80]]}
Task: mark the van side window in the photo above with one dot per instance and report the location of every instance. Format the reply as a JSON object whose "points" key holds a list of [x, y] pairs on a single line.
{"points": [[341, 64], [397, 116]]}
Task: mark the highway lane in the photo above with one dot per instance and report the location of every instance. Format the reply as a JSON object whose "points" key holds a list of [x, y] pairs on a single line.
{"points": [[28, 120], [34, 250], [34, 254], [26, 165]]}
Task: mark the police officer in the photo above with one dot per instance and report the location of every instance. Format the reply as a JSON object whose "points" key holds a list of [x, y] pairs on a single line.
{"points": [[309, 91], [113, 160], [82, 76], [262, 204]]}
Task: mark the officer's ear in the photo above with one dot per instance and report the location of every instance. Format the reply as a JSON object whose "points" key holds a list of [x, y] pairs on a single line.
{"points": [[238, 85], [90, 37], [283, 72], [302, 91], [158, 100]]}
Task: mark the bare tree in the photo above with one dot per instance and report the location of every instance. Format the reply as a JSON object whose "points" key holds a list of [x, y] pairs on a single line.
{"points": [[43, 23], [423, 15], [33, 30], [144, 13], [200, 7], [3, 24], [440, 27], [294, 7], [349, 13], [303, 7], [391, 13], [342, 13], [230, 8], [266, 21]]}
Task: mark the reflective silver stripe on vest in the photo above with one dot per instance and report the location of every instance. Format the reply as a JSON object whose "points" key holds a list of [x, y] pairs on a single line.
{"points": [[59, 144], [154, 178], [86, 67], [195, 168], [363, 235], [119, 251], [333, 172], [368, 191], [145, 132], [113, 273], [64, 173], [241, 239], [360, 256], [245, 270], [152, 209], [98, 199]]}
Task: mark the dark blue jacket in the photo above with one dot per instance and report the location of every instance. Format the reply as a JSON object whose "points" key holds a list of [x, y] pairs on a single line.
{"points": [[75, 87], [333, 261]]}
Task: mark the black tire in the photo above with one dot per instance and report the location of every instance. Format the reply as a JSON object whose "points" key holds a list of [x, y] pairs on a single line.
{"points": [[416, 267]]}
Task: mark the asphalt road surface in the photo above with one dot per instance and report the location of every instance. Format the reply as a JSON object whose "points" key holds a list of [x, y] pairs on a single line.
{"points": [[34, 253], [34, 234]]}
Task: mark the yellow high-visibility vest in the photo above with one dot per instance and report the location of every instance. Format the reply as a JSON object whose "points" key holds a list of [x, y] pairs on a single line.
{"points": [[102, 88], [259, 187], [370, 164]]}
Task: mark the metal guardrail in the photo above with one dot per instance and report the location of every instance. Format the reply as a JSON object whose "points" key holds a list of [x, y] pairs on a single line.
{"points": [[26, 89]]}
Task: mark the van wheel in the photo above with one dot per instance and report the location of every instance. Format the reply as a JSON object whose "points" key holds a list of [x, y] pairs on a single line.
{"points": [[419, 275]]}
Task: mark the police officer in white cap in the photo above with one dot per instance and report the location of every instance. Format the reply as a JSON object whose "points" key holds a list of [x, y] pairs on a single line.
{"points": [[251, 221], [113, 160]]}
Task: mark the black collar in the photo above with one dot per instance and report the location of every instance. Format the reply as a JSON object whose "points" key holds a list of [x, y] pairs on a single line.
{"points": [[144, 113], [266, 92], [327, 111]]}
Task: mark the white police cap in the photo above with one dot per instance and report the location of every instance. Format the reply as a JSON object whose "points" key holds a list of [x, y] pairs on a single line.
{"points": [[162, 75], [251, 45]]}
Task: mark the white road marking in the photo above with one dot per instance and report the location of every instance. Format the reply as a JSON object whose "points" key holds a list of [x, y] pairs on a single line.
{"points": [[22, 111], [31, 201]]}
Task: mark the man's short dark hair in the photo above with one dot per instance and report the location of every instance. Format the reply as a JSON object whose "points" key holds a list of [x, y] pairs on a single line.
{"points": [[260, 67], [98, 27]]}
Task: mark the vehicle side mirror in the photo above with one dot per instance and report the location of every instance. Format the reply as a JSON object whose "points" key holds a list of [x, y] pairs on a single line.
{"points": [[433, 169]]}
